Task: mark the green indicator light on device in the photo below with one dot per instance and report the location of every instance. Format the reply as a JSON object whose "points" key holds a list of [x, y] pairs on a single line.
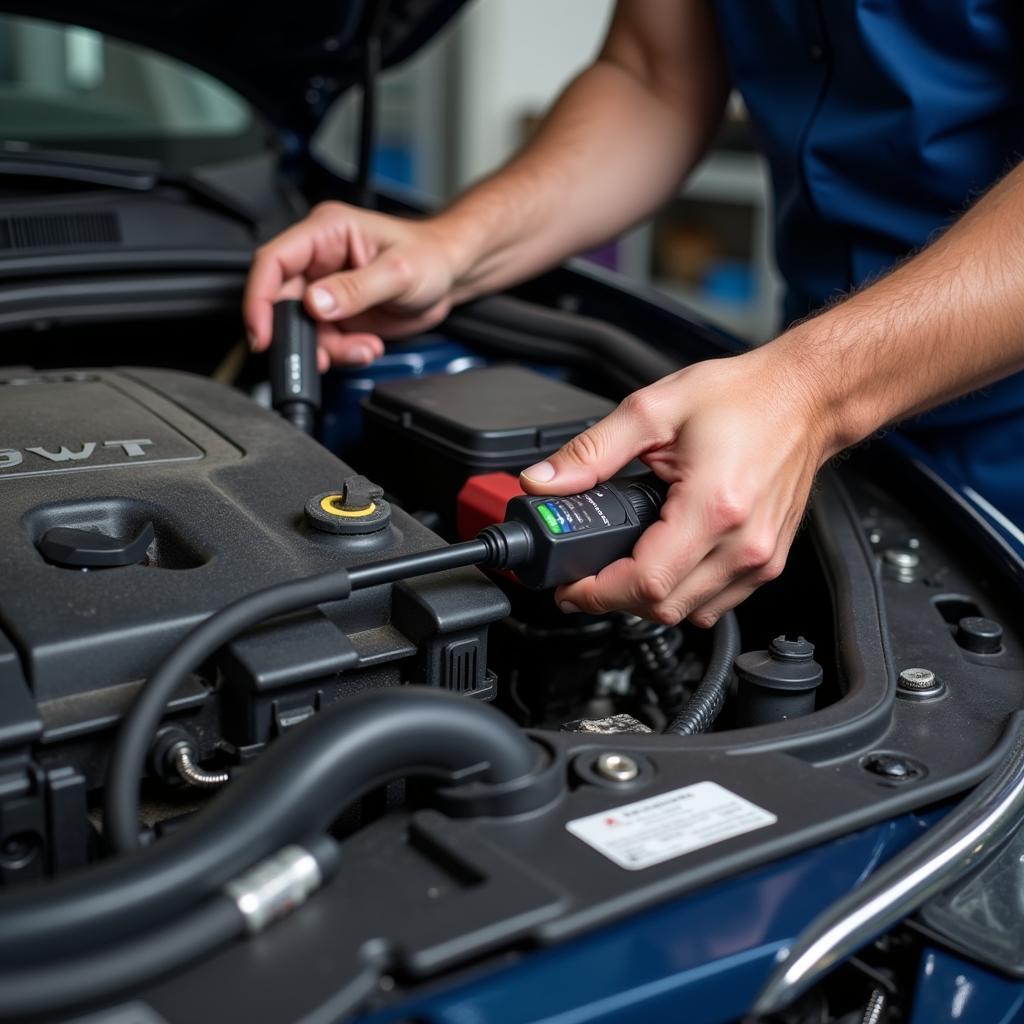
{"points": [[549, 520], [576, 535]]}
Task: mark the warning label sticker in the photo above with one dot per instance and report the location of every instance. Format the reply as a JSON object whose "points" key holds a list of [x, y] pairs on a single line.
{"points": [[661, 827]]}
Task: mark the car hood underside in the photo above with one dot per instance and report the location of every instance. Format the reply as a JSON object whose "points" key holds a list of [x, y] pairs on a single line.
{"points": [[289, 62]]}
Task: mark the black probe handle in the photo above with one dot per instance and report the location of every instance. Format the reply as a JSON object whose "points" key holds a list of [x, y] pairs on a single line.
{"points": [[294, 379]]}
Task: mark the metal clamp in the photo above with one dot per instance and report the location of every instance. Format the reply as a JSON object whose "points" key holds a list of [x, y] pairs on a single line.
{"points": [[274, 887]]}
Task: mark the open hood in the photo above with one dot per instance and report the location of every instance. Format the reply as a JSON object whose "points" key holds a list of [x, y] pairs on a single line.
{"points": [[291, 61]]}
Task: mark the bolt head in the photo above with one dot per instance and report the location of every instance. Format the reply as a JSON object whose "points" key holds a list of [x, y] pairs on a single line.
{"points": [[901, 558], [617, 767], [917, 679]]}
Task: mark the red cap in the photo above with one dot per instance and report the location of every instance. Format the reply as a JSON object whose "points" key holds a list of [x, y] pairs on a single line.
{"points": [[482, 501]]}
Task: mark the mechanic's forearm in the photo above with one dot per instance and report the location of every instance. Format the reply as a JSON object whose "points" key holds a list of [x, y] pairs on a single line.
{"points": [[612, 150], [948, 321], [609, 154]]}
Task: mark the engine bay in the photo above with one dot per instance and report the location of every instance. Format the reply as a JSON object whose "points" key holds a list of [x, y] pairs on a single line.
{"points": [[292, 728], [137, 503]]}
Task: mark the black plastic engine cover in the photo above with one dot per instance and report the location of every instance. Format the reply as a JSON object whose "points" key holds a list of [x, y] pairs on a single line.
{"points": [[223, 483]]}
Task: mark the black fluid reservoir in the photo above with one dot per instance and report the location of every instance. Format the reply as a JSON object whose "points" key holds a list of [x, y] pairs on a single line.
{"points": [[777, 684]]}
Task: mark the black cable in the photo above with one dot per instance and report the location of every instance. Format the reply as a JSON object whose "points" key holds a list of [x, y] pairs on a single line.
{"points": [[295, 790], [488, 335], [470, 552], [617, 347], [128, 759], [701, 710], [493, 337], [301, 415], [370, 64], [58, 983], [656, 652]]}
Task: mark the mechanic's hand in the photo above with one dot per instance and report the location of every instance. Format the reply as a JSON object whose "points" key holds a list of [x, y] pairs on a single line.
{"points": [[739, 441], [363, 276]]}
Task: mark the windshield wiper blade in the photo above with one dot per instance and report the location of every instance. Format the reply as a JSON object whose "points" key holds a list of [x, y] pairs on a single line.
{"points": [[133, 174]]}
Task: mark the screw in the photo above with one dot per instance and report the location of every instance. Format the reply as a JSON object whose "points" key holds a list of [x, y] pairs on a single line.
{"points": [[617, 767], [917, 679]]}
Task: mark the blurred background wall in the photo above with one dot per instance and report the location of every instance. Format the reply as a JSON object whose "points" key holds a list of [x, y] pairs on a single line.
{"points": [[466, 104]]}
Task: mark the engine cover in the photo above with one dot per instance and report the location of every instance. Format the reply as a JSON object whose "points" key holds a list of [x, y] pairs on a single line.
{"points": [[201, 492]]}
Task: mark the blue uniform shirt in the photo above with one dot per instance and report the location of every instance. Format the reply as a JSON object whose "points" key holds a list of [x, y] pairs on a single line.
{"points": [[881, 120]]}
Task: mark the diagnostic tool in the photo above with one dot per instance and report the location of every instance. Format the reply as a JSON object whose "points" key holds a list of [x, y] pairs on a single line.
{"points": [[577, 535]]}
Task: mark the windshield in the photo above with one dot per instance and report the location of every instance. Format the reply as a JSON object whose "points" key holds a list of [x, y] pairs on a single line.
{"points": [[63, 83]]}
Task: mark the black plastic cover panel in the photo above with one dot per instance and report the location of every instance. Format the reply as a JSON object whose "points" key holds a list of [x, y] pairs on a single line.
{"points": [[497, 411], [81, 422], [223, 483]]}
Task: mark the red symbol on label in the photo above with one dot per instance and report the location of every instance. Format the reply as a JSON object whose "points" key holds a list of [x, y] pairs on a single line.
{"points": [[611, 821]]}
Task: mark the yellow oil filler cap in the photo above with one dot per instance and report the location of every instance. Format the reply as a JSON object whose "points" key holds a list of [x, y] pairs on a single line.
{"points": [[358, 508]]}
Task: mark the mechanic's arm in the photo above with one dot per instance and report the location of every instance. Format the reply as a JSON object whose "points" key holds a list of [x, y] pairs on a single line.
{"points": [[741, 438], [614, 148]]}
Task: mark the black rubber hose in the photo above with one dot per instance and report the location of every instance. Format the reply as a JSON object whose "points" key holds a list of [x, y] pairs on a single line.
{"points": [[369, 69], [56, 984], [491, 337], [640, 359], [294, 790], [128, 759], [701, 710]]}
